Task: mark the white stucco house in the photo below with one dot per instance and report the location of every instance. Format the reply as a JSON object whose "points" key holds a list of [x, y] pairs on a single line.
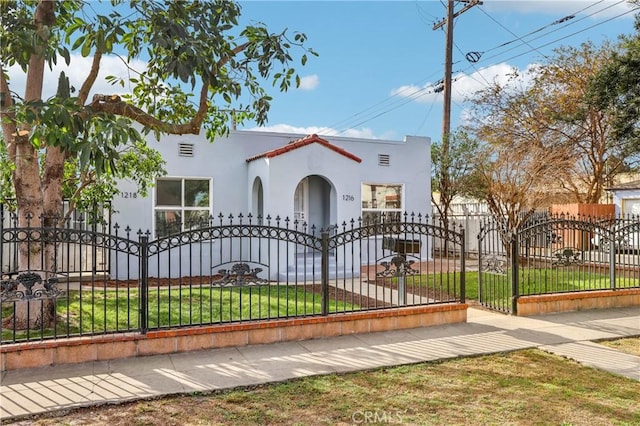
{"points": [[626, 197], [319, 180]]}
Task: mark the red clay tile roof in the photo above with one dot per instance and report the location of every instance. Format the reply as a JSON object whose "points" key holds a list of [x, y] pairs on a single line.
{"points": [[298, 143]]}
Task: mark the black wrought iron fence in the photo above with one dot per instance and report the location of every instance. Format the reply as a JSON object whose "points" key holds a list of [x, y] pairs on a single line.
{"points": [[73, 256], [557, 254], [228, 269]]}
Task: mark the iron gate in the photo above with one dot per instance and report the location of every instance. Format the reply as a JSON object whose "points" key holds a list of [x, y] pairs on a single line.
{"points": [[556, 254]]}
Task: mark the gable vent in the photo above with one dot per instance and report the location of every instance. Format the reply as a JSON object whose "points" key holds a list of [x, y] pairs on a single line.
{"points": [[185, 150], [384, 160]]}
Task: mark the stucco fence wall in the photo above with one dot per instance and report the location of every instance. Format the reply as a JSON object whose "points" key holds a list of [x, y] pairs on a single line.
{"points": [[118, 346], [578, 301]]}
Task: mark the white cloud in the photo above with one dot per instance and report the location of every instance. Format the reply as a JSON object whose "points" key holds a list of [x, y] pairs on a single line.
{"points": [[309, 82], [77, 73], [596, 10], [323, 131], [464, 85]]}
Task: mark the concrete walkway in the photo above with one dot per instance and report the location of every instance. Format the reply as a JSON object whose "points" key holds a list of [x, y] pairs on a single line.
{"points": [[33, 391]]}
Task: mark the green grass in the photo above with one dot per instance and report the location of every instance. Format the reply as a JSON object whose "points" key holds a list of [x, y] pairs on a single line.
{"points": [[521, 388], [497, 287], [113, 310]]}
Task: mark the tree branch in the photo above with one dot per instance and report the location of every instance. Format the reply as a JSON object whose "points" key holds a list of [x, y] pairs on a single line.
{"points": [[7, 116], [91, 78], [86, 179], [114, 105], [203, 105]]}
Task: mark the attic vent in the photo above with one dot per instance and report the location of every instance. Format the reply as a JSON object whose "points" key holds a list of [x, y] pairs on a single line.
{"points": [[185, 150], [383, 160]]}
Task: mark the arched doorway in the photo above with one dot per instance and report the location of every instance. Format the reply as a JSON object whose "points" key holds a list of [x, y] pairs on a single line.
{"points": [[314, 201]]}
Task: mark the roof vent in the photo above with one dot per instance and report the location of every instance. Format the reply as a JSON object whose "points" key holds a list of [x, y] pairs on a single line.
{"points": [[185, 150], [383, 160]]}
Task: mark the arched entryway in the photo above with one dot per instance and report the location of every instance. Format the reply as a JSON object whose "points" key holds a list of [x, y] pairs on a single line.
{"points": [[314, 202]]}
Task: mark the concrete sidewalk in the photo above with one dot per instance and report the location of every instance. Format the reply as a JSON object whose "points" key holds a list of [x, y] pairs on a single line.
{"points": [[33, 391]]}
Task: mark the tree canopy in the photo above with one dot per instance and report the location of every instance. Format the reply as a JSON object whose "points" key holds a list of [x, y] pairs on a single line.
{"points": [[195, 63], [617, 87], [199, 64], [458, 165], [548, 111]]}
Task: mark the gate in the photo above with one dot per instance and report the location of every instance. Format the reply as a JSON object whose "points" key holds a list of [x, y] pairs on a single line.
{"points": [[556, 254], [495, 267]]}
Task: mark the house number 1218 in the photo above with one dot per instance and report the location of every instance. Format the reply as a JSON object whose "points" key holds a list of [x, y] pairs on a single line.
{"points": [[348, 197]]}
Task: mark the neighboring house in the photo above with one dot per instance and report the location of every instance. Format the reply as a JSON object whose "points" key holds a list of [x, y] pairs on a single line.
{"points": [[626, 197], [320, 181]]}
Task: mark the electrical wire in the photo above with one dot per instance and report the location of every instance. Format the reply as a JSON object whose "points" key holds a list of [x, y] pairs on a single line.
{"points": [[371, 111], [398, 97], [556, 22], [570, 35], [512, 33], [567, 24]]}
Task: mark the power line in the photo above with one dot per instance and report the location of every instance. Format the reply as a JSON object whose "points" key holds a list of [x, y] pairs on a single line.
{"points": [[510, 32], [474, 67], [556, 22], [392, 102], [398, 102], [395, 98], [433, 102], [568, 22], [568, 35]]}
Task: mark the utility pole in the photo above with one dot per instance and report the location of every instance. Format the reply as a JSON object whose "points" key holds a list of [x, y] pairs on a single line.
{"points": [[444, 181], [448, 59]]}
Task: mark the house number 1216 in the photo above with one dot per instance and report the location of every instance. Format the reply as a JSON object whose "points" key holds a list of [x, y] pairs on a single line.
{"points": [[348, 197]]}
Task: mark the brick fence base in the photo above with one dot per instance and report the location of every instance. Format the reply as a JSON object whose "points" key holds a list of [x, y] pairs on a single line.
{"points": [[103, 348], [565, 302]]}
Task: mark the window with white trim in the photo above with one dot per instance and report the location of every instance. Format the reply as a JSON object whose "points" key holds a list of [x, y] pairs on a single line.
{"points": [[381, 200], [181, 204], [631, 206]]}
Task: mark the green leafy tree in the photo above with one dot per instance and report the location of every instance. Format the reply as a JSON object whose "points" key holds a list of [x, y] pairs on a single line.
{"points": [[84, 140], [458, 165], [617, 87]]}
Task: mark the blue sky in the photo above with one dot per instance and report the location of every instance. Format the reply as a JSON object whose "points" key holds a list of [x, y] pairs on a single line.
{"points": [[378, 60]]}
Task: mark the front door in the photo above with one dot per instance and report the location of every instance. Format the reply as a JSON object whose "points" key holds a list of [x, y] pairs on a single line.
{"points": [[301, 203]]}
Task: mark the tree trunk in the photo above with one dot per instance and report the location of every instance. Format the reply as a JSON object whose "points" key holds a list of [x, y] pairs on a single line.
{"points": [[32, 255]]}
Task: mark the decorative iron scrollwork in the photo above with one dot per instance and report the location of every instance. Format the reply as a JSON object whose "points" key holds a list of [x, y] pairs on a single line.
{"points": [[401, 266], [239, 275], [567, 256], [10, 289], [495, 264]]}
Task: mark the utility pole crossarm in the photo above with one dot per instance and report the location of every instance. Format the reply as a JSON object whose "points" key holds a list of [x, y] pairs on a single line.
{"points": [[469, 5], [446, 121]]}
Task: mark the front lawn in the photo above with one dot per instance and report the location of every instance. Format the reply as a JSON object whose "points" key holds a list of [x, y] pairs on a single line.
{"points": [[497, 287], [109, 310]]}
